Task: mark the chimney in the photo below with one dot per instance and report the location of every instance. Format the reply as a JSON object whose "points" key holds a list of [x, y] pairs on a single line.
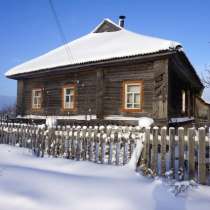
{"points": [[121, 21]]}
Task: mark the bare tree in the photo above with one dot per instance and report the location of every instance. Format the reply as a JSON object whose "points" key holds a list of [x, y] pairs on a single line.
{"points": [[206, 77], [9, 110]]}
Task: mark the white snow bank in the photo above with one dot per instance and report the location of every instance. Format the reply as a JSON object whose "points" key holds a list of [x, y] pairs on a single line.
{"points": [[181, 119], [145, 122], [136, 154], [30, 183], [73, 117]]}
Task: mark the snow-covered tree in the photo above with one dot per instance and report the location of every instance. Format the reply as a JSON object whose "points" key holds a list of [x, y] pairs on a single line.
{"points": [[206, 76]]}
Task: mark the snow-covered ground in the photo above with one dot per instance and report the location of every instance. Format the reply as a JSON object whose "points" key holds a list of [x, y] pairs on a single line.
{"points": [[27, 182]]}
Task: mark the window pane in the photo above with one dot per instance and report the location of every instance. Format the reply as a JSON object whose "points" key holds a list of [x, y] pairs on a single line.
{"points": [[38, 101], [67, 98], [129, 105], [37, 93], [71, 105], [133, 88], [35, 100], [129, 98], [68, 91], [137, 98], [71, 98], [67, 105], [71, 92], [137, 106]]}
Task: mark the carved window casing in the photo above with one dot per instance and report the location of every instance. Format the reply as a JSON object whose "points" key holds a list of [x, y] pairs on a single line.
{"points": [[69, 97], [37, 98], [132, 96]]}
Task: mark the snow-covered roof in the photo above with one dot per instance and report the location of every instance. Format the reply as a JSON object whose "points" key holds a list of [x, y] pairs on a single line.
{"points": [[95, 47]]}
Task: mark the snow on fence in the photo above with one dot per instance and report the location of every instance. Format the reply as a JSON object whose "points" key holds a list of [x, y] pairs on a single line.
{"points": [[110, 144], [181, 154]]}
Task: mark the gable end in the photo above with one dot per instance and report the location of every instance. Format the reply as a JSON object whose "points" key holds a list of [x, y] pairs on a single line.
{"points": [[107, 26]]}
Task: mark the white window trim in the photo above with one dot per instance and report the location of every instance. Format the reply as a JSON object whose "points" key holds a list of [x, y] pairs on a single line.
{"points": [[71, 103], [36, 106], [126, 96]]}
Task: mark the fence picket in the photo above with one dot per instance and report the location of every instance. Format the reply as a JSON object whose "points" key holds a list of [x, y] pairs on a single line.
{"points": [[163, 151], [172, 150], [103, 149], [181, 152], [125, 151], [115, 144], [201, 156], [146, 152], [154, 158], [191, 153], [110, 150]]}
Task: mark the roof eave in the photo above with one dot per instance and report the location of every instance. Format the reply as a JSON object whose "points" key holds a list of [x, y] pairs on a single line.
{"points": [[154, 55], [192, 67]]}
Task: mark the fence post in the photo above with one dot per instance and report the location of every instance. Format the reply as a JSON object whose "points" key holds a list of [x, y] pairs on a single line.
{"points": [[163, 151], [42, 142], [103, 148], [67, 142], [172, 149], [191, 153], [201, 156], [91, 144], [97, 148], [146, 156], [78, 147], [154, 150], [62, 141], [110, 149], [84, 142], [21, 135], [181, 151], [117, 141], [73, 143], [125, 151]]}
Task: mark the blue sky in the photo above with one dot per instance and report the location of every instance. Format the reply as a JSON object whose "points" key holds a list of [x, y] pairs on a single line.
{"points": [[28, 28]]}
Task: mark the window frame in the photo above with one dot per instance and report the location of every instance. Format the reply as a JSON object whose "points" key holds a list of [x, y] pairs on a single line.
{"points": [[124, 95], [32, 98], [72, 86]]}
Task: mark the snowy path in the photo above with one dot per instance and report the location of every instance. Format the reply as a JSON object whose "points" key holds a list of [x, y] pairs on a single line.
{"points": [[27, 183]]}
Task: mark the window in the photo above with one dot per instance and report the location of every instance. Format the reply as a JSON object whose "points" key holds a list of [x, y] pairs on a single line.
{"points": [[183, 101], [132, 92], [69, 97], [36, 98]]}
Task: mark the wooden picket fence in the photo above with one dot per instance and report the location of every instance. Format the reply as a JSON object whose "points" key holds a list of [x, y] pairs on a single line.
{"points": [[104, 144], [183, 153]]}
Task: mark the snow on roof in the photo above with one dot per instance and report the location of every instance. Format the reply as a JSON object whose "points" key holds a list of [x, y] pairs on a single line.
{"points": [[95, 47]]}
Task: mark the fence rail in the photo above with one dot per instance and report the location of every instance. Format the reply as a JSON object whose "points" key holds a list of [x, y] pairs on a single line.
{"points": [[104, 144], [182, 156]]}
